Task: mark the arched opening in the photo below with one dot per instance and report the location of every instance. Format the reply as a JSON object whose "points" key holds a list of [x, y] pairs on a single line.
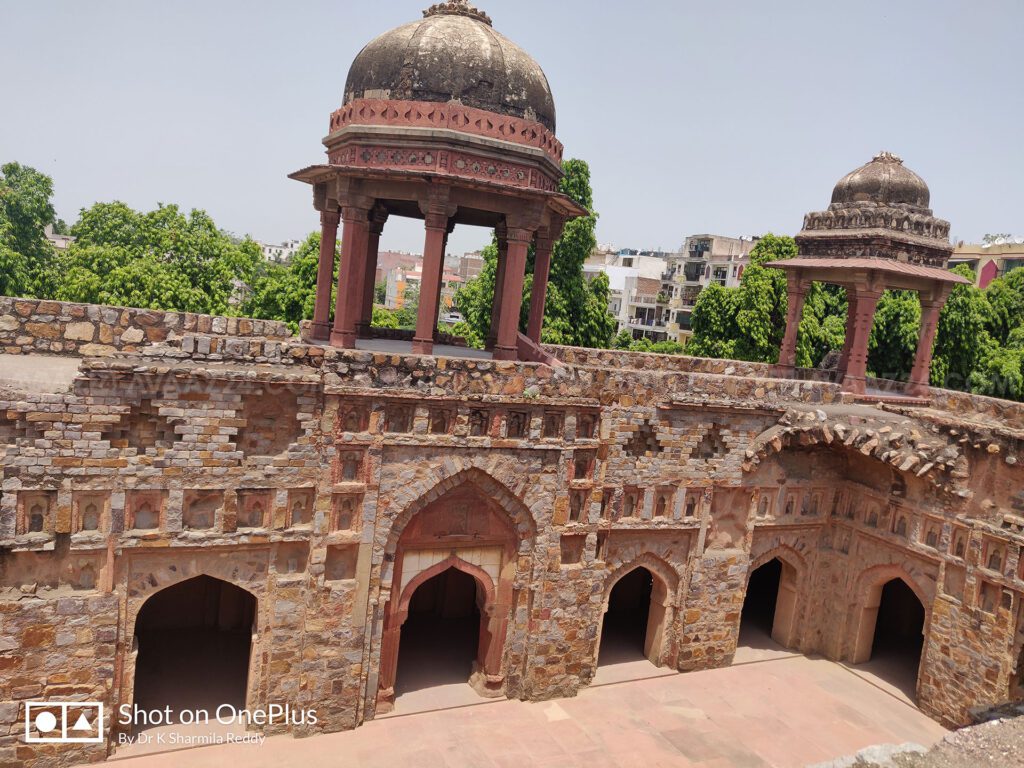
{"points": [[440, 639], [769, 606], [624, 630], [891, 634], [474, 524], [194, 641]]}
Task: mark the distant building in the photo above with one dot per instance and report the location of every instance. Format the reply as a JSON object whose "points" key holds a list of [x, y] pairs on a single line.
{"points": [[705, 259], [280, 252], [990, 260], [636, 295], [470, 265], [59, 242]]}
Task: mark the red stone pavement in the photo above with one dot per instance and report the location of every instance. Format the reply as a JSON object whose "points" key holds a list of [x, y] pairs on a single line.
{"points": [[784, 711]]}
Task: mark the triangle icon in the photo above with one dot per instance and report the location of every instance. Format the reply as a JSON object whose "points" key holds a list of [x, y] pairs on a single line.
{"points": [[82, 724]]}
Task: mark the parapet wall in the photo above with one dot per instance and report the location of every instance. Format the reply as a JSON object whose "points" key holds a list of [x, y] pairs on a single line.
{"points": [[649, 361], [64, 328]]}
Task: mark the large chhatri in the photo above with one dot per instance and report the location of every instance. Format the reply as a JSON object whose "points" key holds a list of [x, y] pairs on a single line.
{"points": [[448, 121]]}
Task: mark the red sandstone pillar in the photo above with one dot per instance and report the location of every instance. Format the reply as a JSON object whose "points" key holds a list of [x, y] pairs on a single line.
{"points": [[350, 283], [507, 345], [539, 292], [499, 286], [430, 285], [851, 318], [321, 328], [856, 369], [919, 376], [378, 217], [440, 276], [388, 664], [796, 292]]}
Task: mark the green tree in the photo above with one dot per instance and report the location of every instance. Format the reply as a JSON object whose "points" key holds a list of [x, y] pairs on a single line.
{"points": [[893, 341], [713, 321], [25, 211], [162, 259], [15, 277], [823, 324], [382, 318], [622, 339], [962, 341], [288, 291], [1005, 297], [747, 322]]}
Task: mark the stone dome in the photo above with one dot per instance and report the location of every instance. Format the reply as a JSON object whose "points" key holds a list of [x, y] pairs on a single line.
{"points": [[885, 180], [453, 54]]}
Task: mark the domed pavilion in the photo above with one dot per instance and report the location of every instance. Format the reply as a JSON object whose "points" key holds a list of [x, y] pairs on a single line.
{"points": [[877, 233], [448, 121]]}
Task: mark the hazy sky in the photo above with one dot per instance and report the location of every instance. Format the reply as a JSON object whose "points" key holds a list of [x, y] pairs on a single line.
{"points": [[725, 117]]}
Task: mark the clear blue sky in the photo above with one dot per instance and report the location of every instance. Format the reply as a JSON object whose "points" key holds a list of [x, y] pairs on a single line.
{"points": [[725, 117]]}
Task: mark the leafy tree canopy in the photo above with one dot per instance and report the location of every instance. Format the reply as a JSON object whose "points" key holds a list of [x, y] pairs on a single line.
{"points": [[163, 259]]}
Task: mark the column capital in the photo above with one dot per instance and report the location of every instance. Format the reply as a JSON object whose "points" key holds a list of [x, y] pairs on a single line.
{"points": [[378, 218], [330, 217], [355, 213], [520, 235], [436, 220]]}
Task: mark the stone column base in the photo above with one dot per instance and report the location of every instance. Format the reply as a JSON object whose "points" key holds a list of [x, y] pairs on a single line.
{"points": [[488, 686], [505, 353], [385, 701], [343, 339], [422, 346], [319, 331], [853, 385]]}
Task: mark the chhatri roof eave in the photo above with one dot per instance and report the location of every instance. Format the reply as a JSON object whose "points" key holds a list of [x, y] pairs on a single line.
{"points": [[562, 203], [912, 272]]}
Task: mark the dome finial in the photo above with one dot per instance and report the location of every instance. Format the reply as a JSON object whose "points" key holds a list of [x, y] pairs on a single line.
{"points": [[888, 157], [457, 8]]}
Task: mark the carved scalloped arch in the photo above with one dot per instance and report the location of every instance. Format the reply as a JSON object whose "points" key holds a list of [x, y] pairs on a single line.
{"points": [[451, 475]]}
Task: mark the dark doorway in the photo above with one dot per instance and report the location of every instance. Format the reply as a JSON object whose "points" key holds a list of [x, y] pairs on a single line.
{"points": [[899, 626], [624, 630], [194, 640], [894, 626], [441, 636], [758, 615]]}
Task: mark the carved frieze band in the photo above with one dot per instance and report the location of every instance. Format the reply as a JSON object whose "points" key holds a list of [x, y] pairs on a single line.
{"points": [[456, 117], [459, 164], [877, 217]]}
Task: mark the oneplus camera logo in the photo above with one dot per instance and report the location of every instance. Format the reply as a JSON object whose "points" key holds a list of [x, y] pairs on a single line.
{"points": [[71, 722]]}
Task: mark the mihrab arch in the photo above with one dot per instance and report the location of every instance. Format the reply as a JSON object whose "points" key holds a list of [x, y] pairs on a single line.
{"points": [[472, 523]]}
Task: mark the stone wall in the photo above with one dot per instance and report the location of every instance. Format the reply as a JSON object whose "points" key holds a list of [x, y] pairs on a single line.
{"points": [[298, 473], [63, 328], [648, 361]]}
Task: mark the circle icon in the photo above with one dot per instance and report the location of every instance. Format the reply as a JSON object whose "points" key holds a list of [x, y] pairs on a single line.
{"points": [[46, 722]]}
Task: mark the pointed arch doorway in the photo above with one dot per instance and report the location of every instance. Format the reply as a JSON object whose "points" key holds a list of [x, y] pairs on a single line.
{"points": [[193, 643], [452, 595]]}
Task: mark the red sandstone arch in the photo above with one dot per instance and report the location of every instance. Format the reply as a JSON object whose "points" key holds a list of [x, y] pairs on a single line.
{"points": [[516, 509], [868, 596], [794, 569], [467, 511], [657, 639]]}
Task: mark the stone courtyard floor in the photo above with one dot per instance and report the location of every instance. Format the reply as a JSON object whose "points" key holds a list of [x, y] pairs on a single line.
{"points": [[772, 708]]}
